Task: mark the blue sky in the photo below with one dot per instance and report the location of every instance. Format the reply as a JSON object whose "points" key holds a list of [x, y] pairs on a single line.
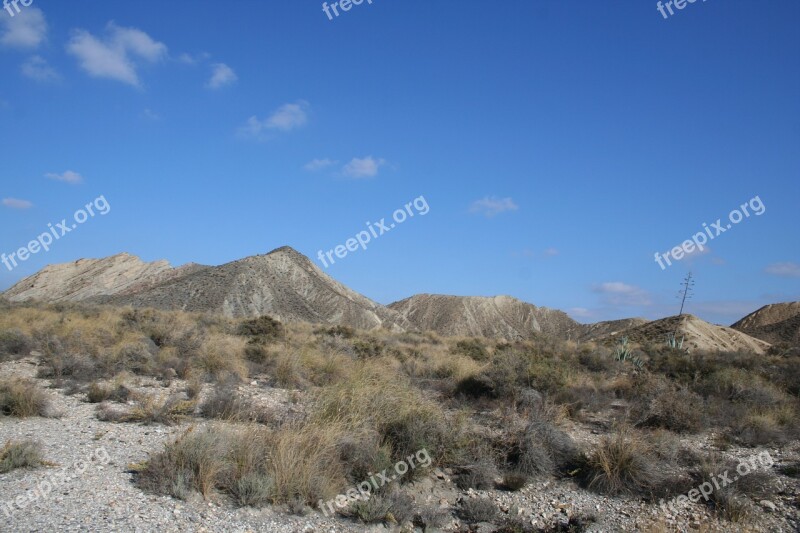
{"points": [[558, 144]]}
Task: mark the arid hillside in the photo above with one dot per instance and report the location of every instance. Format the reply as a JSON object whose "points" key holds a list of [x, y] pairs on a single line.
{"points": [[775, 323], [697, 334], [498, 317], [89, 278]]}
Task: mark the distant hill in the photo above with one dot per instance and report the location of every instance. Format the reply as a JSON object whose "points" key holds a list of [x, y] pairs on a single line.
{"points": [[88, 278], [283, 283], [287, 285], [698, 335], [775, 323], [500, 317]]}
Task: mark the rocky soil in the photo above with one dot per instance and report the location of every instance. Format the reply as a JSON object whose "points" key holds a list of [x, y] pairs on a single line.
{"points": [[93, 489]]}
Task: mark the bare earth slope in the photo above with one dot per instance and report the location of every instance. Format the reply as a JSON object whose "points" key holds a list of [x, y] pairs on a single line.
{"points": [[282, 283], [599, 330], [88, 278], [698, 335], [775, 323], [498, 317]]}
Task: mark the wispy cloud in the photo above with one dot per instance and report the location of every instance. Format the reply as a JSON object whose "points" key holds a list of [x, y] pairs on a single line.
{"points": [[149, 114], [285, 118], [16, 203], [319, 164], [221, 75], [26, 29], [114, 56], [550, 252], [491, 206], [189, 59], [619, 293], [533, 254], [581, 312], [787, 269], [37, 69], [73, 178], [366, 167]]}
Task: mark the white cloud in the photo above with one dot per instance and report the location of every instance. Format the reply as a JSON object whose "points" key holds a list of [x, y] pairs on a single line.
{"points": [[221, 76], [619, 293], [114, 56], [288, 116], [37, 69], [581, 312], [787, 269], [15, 203], [73, 178], [491, 206], [285, 118], [189, 59], [363, 168], [149, 114], [26, 29], [319, 164], [551, 252]]}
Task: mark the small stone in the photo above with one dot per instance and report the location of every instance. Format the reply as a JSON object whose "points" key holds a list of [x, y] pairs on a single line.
{"points": [[768, 506]]}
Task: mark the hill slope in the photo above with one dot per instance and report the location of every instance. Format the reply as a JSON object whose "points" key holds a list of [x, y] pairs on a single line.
{"points": [[88, 278], [599, 330], [282, 283], [775, 323], [698, 335], [499, 317]]}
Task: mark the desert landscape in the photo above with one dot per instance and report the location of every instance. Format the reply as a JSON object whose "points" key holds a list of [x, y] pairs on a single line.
{"points": [[249, 396], [395, 266]]}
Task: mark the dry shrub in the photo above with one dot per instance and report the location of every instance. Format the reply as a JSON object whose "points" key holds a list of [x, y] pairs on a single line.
{"points": [[252, 464], [23, 398], [376, 398], [114, 392], [304, 463], [622, 463], [14, 344], [196, 461], [225, 403], [221, 357], [21, 454], [150, 409], [475, 510], [546, 450]]}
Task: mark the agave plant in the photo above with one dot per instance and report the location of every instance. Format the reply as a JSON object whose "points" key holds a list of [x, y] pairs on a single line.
{"points": [[624, 353], [673, 342]]}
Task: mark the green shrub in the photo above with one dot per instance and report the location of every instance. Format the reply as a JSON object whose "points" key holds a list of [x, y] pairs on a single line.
{"points": [[472, 348], [264, 326]]}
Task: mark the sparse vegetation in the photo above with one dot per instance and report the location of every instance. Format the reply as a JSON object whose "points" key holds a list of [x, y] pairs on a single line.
{"points": [[494, 415], [22, 398], [20, 454]]}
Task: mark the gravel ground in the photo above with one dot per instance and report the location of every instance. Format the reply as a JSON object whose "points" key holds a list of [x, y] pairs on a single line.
{"points": [[102, 497], [91, 458]]}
